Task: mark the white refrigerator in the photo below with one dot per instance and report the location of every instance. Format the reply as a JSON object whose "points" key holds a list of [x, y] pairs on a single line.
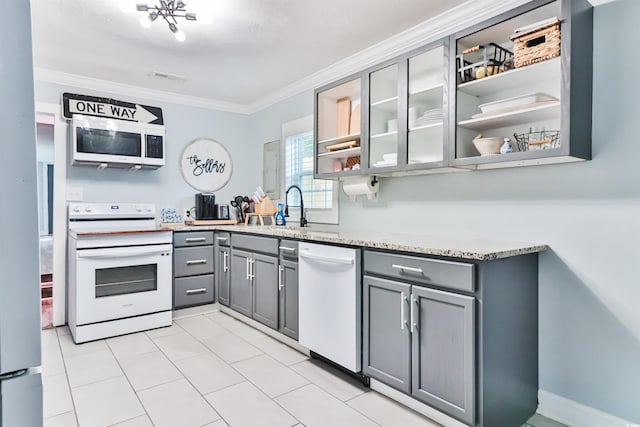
{"points": [[20, 377]]}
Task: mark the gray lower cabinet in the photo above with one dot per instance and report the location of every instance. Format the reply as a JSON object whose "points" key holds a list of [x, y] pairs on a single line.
{"points": [[387, 338], [460, 336], [288, 301], [222, 257], [420, 341], [442, 351], [264, 274], [193, 269], [241, 286]]}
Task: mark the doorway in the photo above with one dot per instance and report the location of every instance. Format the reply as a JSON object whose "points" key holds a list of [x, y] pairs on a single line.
{"points": [[51, 156]]}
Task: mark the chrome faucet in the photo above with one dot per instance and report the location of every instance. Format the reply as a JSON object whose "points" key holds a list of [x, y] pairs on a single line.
{"points": [[303, 220]]}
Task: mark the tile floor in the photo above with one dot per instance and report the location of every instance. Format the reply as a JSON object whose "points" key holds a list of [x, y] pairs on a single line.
{"points": [[206, 370]]}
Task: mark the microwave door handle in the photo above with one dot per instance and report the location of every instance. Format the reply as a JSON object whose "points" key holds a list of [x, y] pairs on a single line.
{"points": [[118, 254]]}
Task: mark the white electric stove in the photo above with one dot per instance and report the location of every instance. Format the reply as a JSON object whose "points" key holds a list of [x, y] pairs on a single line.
{"points": [[120, 270]]}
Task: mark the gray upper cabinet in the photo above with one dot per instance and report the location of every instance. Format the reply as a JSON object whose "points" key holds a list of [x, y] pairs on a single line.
{"points": [[443, 371], [535, 89], [405, 120], [264, 273], [386, 335], [241, 288], [451, 104]]}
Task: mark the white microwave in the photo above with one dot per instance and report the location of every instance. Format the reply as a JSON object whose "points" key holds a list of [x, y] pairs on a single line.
{"points": [[117, 143]]}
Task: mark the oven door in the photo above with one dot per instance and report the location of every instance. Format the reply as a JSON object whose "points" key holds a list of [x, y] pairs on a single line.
{"points": [[115, 283]]}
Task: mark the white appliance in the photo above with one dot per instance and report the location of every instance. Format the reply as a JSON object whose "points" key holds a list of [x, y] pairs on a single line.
{"points": [[118, 143], [120, 270], [330, 303]]}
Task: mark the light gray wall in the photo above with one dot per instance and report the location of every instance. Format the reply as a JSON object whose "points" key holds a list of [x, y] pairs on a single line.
{"points": [[589, 213], [165, 186]]}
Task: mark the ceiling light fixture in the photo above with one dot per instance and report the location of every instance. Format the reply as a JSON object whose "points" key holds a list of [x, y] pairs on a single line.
{"points": [[169, 10]]}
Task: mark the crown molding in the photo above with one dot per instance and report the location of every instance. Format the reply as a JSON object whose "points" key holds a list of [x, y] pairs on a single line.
{"points": [[457, 18], [74, 80]]}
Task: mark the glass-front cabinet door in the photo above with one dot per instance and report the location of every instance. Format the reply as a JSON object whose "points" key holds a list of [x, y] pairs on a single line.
{"points": [[384, 127], [337, 128], [405, 116], [426, 105]]}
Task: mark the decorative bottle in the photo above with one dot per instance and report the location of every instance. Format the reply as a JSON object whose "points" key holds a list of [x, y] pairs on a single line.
{"points": [[506, 147]]}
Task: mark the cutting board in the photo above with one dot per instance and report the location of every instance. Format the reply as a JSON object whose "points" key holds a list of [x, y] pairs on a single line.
{"points": [[354, 126]]}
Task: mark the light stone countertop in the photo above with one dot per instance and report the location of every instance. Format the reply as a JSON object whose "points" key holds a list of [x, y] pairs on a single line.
{"points": [[483, 250]]}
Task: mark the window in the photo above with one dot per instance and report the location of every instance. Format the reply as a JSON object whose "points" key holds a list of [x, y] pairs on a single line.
{"points": [[320, 196]]}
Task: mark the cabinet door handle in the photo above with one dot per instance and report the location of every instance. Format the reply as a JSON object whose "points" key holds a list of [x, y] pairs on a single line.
{"points": [[195, 239], [247, 268], [403, 300], [221, 239], [405, 268], [196, 261], [225, 260], [286, 248], [280, 277], [252, 264], [414, 304], [195, 291]]}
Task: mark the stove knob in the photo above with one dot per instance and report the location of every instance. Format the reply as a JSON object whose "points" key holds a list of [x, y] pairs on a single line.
{"points": [[76, 209], [88, 209], [138, 209], [149, 210]]}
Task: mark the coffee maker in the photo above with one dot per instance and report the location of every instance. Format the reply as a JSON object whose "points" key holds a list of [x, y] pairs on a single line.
{"points": [[205, 206]]}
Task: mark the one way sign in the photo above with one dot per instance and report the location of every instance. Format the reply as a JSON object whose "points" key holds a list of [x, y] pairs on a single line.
{"points": [[110, 108]]}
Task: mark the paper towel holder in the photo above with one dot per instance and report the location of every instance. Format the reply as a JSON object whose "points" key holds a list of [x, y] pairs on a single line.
{"points": [[371, 192]]}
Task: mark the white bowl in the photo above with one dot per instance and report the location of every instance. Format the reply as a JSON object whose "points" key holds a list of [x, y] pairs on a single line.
{"points": [[390, 157], [488, 146]]}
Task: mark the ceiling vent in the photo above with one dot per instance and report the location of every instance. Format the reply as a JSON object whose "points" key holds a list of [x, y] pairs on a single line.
{"points": [[167, 76]]}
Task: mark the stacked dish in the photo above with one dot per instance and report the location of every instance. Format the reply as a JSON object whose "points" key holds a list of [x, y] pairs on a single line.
{"points": [[428, 117], [388, 159]]}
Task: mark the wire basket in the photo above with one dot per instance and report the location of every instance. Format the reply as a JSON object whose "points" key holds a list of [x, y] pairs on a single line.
{"points": [[538, 140], [482, 61]]}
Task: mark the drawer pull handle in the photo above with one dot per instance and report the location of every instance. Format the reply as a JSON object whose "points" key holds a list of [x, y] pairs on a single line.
{"points": [[221, 239], [196, 291], [286, 248], [195, 239], [405, 268], [196, 261]]}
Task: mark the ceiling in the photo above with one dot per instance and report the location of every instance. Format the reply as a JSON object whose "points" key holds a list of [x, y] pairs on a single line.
{"points": [[238, 51]]}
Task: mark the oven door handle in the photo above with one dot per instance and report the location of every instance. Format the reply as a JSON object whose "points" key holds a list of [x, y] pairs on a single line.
{"points": [[119, 253]]}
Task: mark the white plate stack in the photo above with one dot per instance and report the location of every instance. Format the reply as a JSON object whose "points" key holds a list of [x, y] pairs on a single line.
{"points": [[428, 117]]}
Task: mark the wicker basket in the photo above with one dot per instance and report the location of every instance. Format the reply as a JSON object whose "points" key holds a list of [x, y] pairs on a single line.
{"points": [[352, 161], [537, 44]]}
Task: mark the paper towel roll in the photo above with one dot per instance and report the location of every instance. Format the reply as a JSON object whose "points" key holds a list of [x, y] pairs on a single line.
{"points": [[360, 186]]}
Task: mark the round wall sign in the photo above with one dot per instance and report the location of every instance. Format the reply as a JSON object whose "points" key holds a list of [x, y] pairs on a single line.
{"points": [[206, 165]]}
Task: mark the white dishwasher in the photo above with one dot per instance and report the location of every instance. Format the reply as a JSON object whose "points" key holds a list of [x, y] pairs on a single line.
{"points": [[330, 303]]}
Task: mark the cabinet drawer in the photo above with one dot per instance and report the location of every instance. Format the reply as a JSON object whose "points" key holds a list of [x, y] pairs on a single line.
{"points": [[193, 290], [193, 238], [222, 238], [288, 249], [454, 275], [265, 245], [192, 261]]}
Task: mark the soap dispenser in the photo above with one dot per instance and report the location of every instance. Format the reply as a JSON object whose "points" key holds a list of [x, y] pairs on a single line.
{"points": [[280, 219]]}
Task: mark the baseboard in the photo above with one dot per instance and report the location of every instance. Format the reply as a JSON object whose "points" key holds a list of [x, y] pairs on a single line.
{"points": [[575, 414], [417, 406]]}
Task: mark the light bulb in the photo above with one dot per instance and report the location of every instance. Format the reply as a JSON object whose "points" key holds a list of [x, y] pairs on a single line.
{"points": [[180, 35], [145, 21]]}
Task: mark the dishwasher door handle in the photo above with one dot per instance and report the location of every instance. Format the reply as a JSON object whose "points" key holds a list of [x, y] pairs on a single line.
{"points": [[327, 259]]}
